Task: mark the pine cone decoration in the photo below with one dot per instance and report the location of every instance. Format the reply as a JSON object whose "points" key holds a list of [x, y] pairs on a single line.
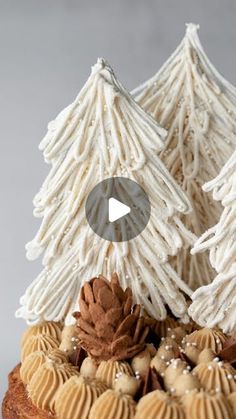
{"points": [[108, 325]]}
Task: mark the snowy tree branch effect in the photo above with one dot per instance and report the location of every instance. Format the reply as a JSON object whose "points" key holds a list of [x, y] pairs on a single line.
{"points": [[104, 133]]}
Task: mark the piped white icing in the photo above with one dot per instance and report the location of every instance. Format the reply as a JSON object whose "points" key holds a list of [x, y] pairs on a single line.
{"points": [[215, 305], [221, 238], [104, 133], [198, 108]]}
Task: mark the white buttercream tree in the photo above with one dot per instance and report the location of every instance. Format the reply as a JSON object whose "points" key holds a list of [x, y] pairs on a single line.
{"points": [[104, 133], [197, 106], [215, 304]]}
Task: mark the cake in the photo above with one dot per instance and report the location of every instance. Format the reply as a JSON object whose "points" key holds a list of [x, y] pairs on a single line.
{"points": [[109, 333], [126, 370]]}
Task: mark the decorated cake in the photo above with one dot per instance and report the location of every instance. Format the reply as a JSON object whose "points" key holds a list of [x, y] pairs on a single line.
{"points": [[116, 362], [144, 327]]}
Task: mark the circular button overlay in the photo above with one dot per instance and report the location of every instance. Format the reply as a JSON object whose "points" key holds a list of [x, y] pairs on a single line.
{"points": [[118, 209]]}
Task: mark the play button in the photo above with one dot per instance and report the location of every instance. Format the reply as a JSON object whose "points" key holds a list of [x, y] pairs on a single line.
{"points": [[117, 209]]}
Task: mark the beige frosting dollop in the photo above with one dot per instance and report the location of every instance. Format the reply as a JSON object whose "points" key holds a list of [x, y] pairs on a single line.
{"points": [[46, 382], [159, 364], [33, 361], [217, 376], [169, 349], [30, 365], [36, 343], [109, 370], [113, 405], [88, 368], [164, 326], [207, 338], [232, 401], [58, 356], [206, 355], [76, 397], [185, 383], [176, 368], [126, 384], [44, 328], [204, 405], [159, 405], [177, 334], [192, 352], [68, 339], [141, 362]]}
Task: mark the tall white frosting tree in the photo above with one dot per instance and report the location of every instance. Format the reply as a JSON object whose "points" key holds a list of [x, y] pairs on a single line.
{"points": [[215, 304], [104, 133], [197, 106]]}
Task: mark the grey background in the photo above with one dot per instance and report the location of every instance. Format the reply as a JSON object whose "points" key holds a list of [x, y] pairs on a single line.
{"points": [[46, 51]]}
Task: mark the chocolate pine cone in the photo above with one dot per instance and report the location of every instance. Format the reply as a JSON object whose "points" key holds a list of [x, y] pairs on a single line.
{"points": [[108, 325]]}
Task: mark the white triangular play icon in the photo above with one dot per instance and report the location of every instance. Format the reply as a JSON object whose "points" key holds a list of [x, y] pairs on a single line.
{"points": [[116, 209]]}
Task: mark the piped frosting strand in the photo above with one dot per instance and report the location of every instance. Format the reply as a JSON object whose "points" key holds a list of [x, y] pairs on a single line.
{"points": [[220, 239], [104, 133], [198, 108], [215, 304]]}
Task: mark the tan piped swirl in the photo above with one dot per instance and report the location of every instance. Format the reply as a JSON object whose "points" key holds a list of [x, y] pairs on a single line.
{"points": [[207, 406], [58, 356], [35, 343], [185, 383], [113, 405], [76, 397], [108, 370], [45, 328], [216, 376], [232, 400], [161, 405], [207, 338], [163, 327], [176, 368], [46, 382], [30, 365], [33, 361]]}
